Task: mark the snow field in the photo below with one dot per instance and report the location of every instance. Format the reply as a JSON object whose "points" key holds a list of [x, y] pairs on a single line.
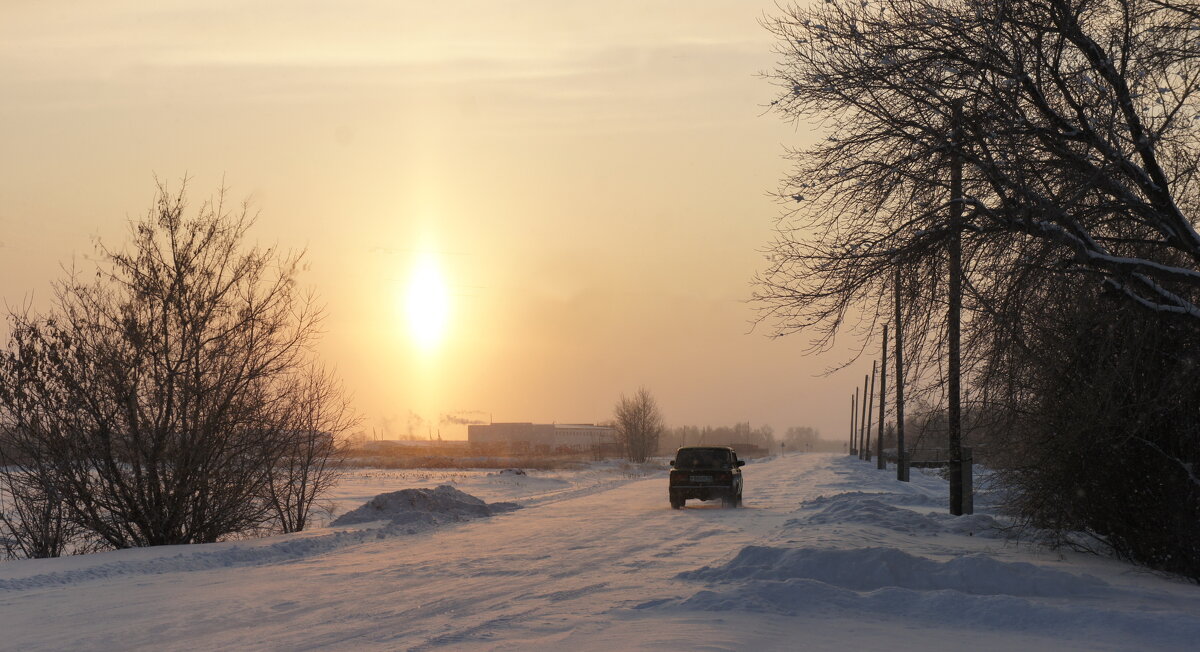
{"points": [[828, 553]]}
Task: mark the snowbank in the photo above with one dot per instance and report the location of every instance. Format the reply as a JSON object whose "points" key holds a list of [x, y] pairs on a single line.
{"points": [[868, 569], [427, 506], [877, 510], [162, 560], [1164, 629], [510, 472]]}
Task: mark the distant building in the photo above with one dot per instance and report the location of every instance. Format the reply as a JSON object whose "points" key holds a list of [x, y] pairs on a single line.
{"points": [[554, 436]]}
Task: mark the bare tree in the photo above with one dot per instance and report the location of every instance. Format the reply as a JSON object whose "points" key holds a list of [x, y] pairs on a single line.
{"points": [[149, 399], [639, 425], [1079, 139], [801, 438], [1081, 151], [1080, 144]]}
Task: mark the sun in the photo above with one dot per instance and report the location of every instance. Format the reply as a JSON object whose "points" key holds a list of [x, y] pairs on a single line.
{"points": [[427, 303]]}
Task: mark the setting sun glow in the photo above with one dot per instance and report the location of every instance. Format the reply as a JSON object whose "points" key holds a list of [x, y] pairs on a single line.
{"points": [[427, 303]]}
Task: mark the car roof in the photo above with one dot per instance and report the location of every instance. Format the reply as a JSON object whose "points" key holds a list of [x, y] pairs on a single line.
{"points": [[705, 448]]}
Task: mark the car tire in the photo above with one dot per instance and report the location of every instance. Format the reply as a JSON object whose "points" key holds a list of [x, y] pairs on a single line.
{"points": [[676, 503]]}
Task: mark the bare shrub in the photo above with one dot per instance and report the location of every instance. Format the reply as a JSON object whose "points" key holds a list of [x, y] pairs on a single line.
{"points": [[1105, 439], [34, 523], [158, 400]]}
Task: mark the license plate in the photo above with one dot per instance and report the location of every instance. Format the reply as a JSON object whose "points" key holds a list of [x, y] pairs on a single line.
{"points": [[701, 478]]}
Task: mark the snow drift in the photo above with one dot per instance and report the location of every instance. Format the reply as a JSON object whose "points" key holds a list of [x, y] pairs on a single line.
{"points": [[874, 509], [430, 506], [868, 569]]}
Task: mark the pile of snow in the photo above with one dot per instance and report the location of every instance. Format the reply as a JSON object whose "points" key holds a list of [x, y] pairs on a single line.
{"points": [[1094, 620], [510, 472], [869, 569], [431, 506], [536, 487], [972, 591], [877, 510]]}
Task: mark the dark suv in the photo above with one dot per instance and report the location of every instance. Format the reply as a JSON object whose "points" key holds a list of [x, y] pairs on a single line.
{"points": [[706, 473]]}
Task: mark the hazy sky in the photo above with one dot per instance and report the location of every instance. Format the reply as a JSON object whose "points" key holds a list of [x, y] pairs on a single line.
{"points": [[591, 180]]}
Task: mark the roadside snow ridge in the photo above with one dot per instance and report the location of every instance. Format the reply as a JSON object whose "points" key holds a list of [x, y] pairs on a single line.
{"points": [[868, 569], [881, 510]]}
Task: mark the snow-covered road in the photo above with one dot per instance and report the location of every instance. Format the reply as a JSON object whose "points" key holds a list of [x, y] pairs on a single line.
{"points": [[827, 554]]}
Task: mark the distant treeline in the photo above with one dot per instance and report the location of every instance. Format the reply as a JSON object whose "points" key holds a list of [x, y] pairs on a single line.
{"points": [[795, 438]]}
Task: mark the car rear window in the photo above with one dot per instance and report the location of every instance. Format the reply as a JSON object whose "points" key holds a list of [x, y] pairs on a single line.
{"points": [[693, 459]]}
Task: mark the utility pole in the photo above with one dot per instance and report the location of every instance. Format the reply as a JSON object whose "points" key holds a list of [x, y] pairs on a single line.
{"points": [[901, 454], [853, 420], [862, 425], [881, 464], [870, 413], [952, 323]]}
